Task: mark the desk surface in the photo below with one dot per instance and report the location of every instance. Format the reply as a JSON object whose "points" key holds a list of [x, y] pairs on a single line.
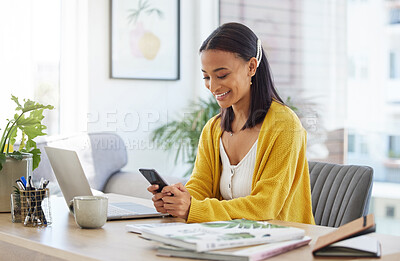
{"points": [[64, 240]]}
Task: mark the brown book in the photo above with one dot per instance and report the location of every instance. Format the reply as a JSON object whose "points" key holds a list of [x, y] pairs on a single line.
{"points": [[347, 240]]}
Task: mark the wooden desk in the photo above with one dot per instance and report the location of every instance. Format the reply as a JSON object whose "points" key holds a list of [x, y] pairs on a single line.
{"points": [[64, 240]]}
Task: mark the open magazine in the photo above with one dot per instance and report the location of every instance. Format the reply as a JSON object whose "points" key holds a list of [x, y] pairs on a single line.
{"points": [[220, 234]]}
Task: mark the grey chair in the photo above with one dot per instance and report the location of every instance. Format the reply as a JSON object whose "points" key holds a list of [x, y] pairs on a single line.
{"points": [[340, 193]]}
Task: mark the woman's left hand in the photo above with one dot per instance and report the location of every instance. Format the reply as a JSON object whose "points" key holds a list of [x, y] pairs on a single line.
{"points": [[178, 204]]}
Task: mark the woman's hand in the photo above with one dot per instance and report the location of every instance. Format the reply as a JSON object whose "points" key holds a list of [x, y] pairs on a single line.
{"points": [[177, 200], [157, 198]]}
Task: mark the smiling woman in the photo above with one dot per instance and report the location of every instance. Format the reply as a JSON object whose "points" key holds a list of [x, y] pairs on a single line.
{"points": [[251, 159]]}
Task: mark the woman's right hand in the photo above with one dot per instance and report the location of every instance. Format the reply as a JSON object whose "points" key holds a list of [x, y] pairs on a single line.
{"points": [[157, 198]]}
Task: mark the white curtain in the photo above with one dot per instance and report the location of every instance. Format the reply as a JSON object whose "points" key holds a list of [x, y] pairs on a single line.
{"points": [[16, 55], [74, 66], [43, 56]]}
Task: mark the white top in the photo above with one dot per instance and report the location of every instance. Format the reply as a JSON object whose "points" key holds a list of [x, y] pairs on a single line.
{"points": [[236, 179]]}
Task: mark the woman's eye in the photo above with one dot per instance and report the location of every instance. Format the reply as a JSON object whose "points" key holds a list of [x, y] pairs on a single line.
{"points": [[222, 77], [206, 78]]}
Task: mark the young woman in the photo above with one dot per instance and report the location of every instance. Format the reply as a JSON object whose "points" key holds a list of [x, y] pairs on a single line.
{"points": [[251, 160]]}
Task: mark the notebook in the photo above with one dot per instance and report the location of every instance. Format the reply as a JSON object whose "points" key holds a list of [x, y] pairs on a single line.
{"points": [[73, 182]]}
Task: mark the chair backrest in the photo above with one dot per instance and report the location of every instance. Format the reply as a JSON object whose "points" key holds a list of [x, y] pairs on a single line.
{"points": [[340, 193]]}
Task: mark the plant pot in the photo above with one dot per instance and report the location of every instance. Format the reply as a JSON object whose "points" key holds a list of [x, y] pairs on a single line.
{"points": [[12, 171]]}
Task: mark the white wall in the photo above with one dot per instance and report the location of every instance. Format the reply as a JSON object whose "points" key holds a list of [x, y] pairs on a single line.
{"points": [[133, 108]]}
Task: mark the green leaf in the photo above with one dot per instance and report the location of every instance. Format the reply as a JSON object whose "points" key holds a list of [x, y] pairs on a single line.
{"points": [[34, 131], [4, 137], [3, 159], [214, 225], [27, 121], [35, 158], [30, 144], [255, 225], [157, 11], [15, 99], [17, 155], [31, 125], [37, 114], [23, 141], [291, 105], [11, 137], [16, 190], [231, 225], [31, 105], [142, 7]]}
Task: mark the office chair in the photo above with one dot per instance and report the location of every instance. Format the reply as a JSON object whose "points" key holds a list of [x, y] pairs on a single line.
{"points": [[340, 193]]}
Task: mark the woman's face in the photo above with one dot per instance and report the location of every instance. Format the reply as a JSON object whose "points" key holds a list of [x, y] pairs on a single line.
{"points": [[228, 77]]}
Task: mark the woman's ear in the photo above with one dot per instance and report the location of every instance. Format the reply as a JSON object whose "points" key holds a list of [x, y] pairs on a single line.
{"points": [[252, 66]]}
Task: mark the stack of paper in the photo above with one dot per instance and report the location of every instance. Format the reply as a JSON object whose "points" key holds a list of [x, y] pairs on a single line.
{"points": [[205, 240]]}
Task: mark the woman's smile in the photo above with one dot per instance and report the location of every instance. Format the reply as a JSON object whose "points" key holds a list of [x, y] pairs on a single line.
{"points": [[221, 96]]}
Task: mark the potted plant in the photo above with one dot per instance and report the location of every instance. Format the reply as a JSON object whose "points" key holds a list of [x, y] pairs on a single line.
{"points": [[183, 135], [20, 162]]}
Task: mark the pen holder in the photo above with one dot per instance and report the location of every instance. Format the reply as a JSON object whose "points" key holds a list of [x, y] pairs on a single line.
{"points": [[35, 208]]}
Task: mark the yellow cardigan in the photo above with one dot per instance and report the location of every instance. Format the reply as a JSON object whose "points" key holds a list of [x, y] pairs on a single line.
{"points": [[281, 183]]}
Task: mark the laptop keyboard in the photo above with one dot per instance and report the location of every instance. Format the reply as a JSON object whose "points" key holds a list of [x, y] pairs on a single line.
{"points": [[128, 208], [114, 211]]}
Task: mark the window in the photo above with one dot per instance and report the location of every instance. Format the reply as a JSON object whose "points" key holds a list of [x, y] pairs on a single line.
{"points": [[363, 65], [373, 106], [394, 64], [351, 68], [390, 211], [351, 146], [394, 147], [305, 45], [363, 145], [30, 56], [43, 56]]}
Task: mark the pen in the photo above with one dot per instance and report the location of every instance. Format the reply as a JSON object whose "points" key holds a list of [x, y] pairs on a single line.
{"points": [[28, 216], [40, 196], [31, 182], [41, 183], [45, 183], [31, 199], [42, 216], [20, 185], [23, 180], [27, 184]]}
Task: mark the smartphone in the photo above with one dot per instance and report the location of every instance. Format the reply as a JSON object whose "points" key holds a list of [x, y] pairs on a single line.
{"points": [[154, 178]]}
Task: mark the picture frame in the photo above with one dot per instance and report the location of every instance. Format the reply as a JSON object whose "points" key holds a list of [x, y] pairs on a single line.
{"points": [[145, 39]]}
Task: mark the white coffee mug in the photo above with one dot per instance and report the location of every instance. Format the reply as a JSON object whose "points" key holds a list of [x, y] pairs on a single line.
{"points": [[90, 211]]}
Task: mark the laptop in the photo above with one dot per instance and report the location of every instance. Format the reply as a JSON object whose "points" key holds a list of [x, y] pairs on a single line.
{"points": [[73, 182]]}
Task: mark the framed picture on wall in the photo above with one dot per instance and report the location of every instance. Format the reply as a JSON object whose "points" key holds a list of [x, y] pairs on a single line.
{"points": [[145, 39]]}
